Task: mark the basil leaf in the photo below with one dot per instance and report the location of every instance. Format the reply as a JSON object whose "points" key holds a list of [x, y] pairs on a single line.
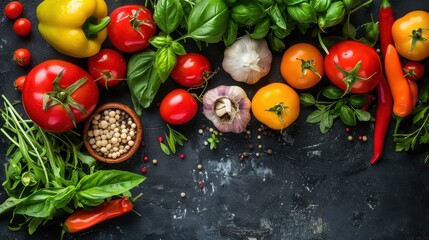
{"points": [[177, 48], [292, 2], [160, 41], [208, 20], [302, 13], [34, 224], [276, 44], [165, 61], [316, 116], [142, 79], [261, 29], [276, 16], [307, 99], [168, 14], [326, 123], [334, 15], [332, 92], [93, 189], [10, 203], [347, 115], [362, 115], [231, 33], [320, 5]]}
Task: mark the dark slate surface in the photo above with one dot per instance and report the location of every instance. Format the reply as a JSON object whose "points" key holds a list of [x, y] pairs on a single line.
{"points": [[312, 186]]}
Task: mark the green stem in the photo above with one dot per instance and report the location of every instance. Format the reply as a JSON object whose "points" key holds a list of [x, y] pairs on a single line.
{"points": [[360, 6], [322, 44], [91, 30], [385, 4]]}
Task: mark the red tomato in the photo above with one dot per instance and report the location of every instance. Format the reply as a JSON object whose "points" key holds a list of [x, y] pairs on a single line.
{"points": [[13, 9], [131, 27], [414, 70], [342, 66], [178, 107], [69, 87], [22, 56], [108, 67], [22, 26], [19, 82], [191, 70]]}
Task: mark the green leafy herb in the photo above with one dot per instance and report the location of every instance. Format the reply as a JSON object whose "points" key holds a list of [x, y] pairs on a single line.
{"points": [[213, 141], [336, 105], [408, 141], [173, 138]]}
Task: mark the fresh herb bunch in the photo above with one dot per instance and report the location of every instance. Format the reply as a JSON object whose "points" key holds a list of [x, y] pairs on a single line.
{"points": [[348, 108], [173, 138], [47, 172], [406, 141], [213, 141]]}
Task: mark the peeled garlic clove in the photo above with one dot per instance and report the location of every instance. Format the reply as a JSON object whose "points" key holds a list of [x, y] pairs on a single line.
{"points": [[228, 107], [247, 59]]}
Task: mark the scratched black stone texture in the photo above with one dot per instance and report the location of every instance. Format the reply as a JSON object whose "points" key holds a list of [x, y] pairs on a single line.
{"points": [[311, 186]]}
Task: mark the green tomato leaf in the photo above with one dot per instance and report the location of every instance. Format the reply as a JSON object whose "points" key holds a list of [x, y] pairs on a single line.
{"points": [[93, 189], [347, 115], [168, 15], [208, 21]]}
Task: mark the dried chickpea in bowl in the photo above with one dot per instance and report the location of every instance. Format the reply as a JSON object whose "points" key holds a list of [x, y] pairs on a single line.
{"points": [[112, 133]]}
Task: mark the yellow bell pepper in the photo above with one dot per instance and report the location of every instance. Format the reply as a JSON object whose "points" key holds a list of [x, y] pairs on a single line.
{"points": [[76, 28]]}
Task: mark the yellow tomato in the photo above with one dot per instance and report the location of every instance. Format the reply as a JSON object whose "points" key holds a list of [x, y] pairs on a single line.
{"points": [[411, 35], [276, 105], [302, 66]]}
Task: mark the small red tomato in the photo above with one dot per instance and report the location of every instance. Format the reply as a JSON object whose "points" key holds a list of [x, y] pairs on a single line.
{"points": [[22, 26], [414, 70], [178, 107], [13, 9], [19, 82], [108, 67], [22, 56], [191, 70], [131, 27]]}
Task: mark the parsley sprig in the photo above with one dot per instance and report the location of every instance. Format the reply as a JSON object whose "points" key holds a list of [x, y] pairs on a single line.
{"points": [[173, 138]]}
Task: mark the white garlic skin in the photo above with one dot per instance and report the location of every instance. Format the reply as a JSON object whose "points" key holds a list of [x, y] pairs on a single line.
{"points": [[238, 97], [247, 59]]}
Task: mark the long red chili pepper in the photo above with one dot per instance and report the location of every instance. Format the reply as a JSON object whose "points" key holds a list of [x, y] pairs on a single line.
{"points": [[84, 218], [384, 99]]}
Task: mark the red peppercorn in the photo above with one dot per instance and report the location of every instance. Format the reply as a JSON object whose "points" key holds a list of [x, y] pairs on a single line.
{"points": [[347, 129], [182, 156], [360, 138], [201, 185], [146, 159], [160, 139], [144, 170]]}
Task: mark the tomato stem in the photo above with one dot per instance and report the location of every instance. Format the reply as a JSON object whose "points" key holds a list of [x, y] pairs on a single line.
{"points": [[278, 109], [308, 64], [352, 76], [417, 35]]}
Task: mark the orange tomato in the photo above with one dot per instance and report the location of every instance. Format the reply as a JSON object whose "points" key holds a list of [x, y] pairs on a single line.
{"points": [[276, 105], [302, 66]]}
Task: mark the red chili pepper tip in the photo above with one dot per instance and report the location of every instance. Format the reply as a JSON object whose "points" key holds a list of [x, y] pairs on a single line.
{"points": [[146, 159], [182, 156], [144, 170], [160, 139]]}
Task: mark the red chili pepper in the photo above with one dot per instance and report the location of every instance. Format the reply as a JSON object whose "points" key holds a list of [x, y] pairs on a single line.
{"points": [[383, 113], [85, 218]]}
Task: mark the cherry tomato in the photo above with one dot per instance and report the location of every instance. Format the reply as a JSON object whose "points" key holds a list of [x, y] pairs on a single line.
{"points": [[108, 67], [22, 26], [131, 27], [13, 9], [191, 70], [178, 107], [302, 66], [22, 56], [276, 105], [353, 66], [19, 83], [414, 70], [72, 95]]}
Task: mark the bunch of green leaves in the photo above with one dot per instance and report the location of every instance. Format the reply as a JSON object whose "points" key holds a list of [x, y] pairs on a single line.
{"points": [[173, 138], [348, 108], [47, 172], [206, 21], [406, 141], [213, 141]]}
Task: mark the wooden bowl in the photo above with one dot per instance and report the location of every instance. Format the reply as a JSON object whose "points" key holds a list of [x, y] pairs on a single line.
{"points": [[138, 132]]}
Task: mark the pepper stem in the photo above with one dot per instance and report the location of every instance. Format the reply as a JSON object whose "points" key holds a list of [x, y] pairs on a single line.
{"points": [[351, 76], [385, 4], [91, 28], [417, 35]]}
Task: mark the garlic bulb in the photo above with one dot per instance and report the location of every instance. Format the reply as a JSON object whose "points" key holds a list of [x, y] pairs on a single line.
{"points": [[228, 107], [247, 60]]}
